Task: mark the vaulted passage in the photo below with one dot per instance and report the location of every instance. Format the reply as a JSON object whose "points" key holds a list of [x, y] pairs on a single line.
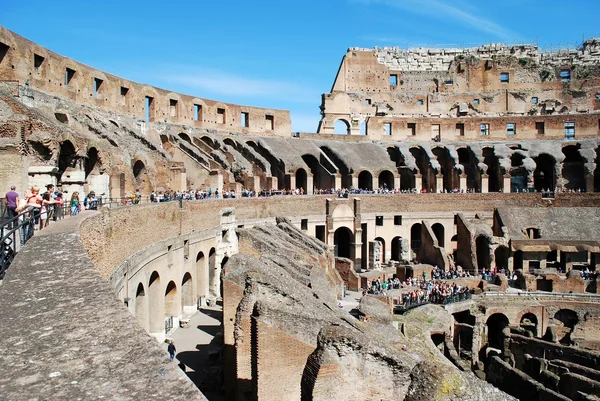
{"points": [[365, 180], [450, 180], [342, 240], [494, 171], [495, 325], [518, 173], [544, 176], [467, 159], [301, 180], [573, 168], [428, 174], [386, 180], [483, 252], [343, 168], [322, 177], [415, 237], [407, 175]]}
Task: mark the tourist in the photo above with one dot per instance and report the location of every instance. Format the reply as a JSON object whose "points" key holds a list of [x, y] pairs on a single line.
{"points": [[171, 349], [91, 202], [12, 200], [75, 205]]}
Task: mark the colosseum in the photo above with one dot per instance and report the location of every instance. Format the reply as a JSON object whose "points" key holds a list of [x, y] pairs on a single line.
{"points": [[459, 209]]}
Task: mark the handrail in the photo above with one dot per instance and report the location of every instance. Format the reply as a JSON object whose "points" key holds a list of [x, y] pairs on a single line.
{"points": [[538, 294]]}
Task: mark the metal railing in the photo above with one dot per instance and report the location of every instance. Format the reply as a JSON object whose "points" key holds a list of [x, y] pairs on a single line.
{"points": [[542, 294], [168, 324], [14, 233]]}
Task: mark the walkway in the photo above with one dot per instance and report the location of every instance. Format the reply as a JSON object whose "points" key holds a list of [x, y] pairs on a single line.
{"points": [[198, 351]]}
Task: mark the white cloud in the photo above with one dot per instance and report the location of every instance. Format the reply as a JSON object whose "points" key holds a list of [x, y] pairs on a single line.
{"points": [[440, 10], [219, 83]]}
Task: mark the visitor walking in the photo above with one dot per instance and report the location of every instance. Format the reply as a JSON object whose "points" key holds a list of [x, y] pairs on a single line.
{"points": [[172, 349]]}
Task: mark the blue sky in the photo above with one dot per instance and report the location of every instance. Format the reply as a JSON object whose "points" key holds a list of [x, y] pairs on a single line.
{"points": [[277, 53]]}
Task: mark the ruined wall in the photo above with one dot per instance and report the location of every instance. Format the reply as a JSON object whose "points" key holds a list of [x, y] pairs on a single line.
{"points": [[391, 93], [30, 64]]}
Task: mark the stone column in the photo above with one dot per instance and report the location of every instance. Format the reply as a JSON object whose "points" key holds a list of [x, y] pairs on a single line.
{"points": [[397, 182], [419, 182], [256, 184], [485, 179], [216, 181], [272, 183], [309, 185], [589, 181], [338, 181], [292, 180], [375, 183], [439, 182], [354, 180], [506, 178], [463, 182]]}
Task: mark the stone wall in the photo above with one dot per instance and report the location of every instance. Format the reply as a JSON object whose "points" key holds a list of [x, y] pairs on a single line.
{"points": [[35, 66]]}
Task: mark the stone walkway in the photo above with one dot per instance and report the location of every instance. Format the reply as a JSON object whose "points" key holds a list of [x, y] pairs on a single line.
{"points": [[198, 351]]}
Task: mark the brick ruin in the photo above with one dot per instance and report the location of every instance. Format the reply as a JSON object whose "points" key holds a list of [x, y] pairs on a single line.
{"points": [[492, 157]]}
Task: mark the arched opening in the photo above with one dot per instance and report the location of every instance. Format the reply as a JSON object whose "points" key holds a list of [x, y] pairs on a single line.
{"points": [[482, 245], [382, 241], [529, 322], [386, 180], [141, 307], [494, 172], [415, 238], [301, 180], [67, 160], [223, 263], [187, 292], [91, 161], [518, 260], [438, 341], [142, 181], [171, 301], [544, 176], [340, 164], [343, 240], [156, 304], [212, 273], [518, 173], [573, 168], [501, 255], [427, 173], [365, 180], [398, 249], [450, 176], [207, 140], [438, 230], [322, 179], [341, 127], [467, 159], [565, 321], [407, 175], [277, 166], [496, 323], [185, 137], [363, 127], [201, 275]]}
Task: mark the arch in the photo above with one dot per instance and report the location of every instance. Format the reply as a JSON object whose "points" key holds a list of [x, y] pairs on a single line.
{"points": [[482, 246], [212, 273], [501, 255], [467, 159], [363, 128], [201, 275], [518, 260], [91, 161], [573, 168], [185, 137], [450, 177], [67, 158], [343, 240], [380, 239], [438, 230], [187, 291], [171, 301], [140, 175], [565, 321], [301, 180], [341, 127], [518, 173], [340, 164], [427, 173], [544, 176], [141, 306], [494, 172], [496, 324], [365, 180], [415, 237], [386, 180], [529, 322], [397, 249], [322, 179], [208, 140], [156, 304]]}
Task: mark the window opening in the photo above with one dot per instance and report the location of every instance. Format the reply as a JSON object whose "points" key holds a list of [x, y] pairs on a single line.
{"points": [[220, 116], [539, 127], [37, 61], [534, 100], [97, 85], [504, 77], [475, 101], [388, 129], [270, 122], [378, 220], [397, 220], [244, 120], [197, 112], [565, 75], [173, 108], [393, 80], [412, 127], [511, 129], [304, 224], [569, 130], [460, 129], [484, 129], [69, 74]]}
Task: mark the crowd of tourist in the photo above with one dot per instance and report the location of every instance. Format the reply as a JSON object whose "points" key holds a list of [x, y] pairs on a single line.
{"points": [[421, 290]]}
